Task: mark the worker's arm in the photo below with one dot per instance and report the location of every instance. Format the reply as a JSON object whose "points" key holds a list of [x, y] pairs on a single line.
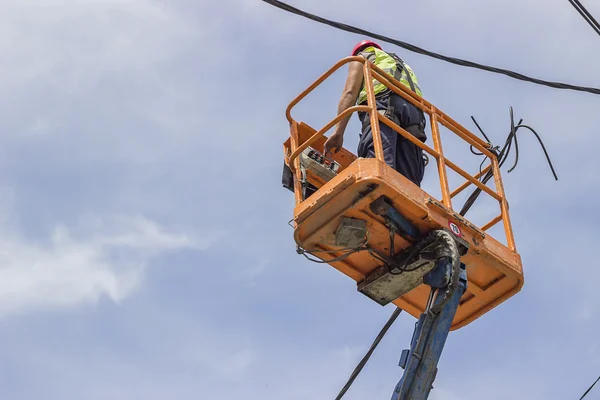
{"points": [[349, 95]]}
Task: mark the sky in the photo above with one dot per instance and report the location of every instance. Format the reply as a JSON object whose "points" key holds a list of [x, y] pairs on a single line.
{"points": [[145, 251]]}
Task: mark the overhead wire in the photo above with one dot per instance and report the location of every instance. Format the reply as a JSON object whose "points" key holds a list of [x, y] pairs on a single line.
{"points": [[585, 14], [590, 388], [419, 50], [369, 353]]}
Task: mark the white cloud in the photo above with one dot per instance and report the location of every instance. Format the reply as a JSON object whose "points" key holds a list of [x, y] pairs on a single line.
{"points": [[74, 42], [87, 75], [105, 256]]}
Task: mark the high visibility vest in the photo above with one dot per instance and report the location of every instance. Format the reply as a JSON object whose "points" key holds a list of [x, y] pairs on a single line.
{"points": [[391, 66]]}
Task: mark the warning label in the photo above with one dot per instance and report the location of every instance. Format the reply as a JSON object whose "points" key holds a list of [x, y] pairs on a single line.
{"points": [[454, 228]]}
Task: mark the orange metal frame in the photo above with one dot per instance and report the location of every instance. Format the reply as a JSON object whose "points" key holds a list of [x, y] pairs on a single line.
{"points": [[494, 269], [435, 115]]}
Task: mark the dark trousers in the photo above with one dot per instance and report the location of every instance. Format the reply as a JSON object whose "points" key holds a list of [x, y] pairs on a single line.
{"points": [[398, 152]]}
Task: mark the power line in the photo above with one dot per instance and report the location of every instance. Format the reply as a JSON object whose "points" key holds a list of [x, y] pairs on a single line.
{"points": [[366, 357], [591, 387], [586, 15], [419, 50]]}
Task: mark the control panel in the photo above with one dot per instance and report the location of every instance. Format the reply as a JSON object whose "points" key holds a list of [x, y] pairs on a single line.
{"points": [[311, 159]]}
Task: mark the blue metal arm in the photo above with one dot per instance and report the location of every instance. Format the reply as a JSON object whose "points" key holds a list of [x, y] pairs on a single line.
{"points": [[430, 334]]}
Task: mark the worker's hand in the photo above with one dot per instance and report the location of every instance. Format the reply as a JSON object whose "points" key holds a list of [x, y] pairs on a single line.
{"points": [[333, 144]]}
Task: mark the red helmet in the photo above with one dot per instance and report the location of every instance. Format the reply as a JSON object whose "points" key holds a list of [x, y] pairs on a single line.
{"points": [[361, 45]]}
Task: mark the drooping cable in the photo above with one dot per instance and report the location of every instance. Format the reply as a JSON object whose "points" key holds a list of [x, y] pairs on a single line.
{"points": [[366, 357], [502, 156], [419, 50]]}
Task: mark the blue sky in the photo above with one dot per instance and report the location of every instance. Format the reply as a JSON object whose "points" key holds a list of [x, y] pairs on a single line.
{"points": [[144, 240]]}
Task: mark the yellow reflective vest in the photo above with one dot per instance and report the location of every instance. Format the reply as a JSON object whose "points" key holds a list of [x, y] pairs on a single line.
{"points": [[388, 64]]}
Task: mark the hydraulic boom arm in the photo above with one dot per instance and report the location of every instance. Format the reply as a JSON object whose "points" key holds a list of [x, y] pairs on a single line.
{"points": [[432, 328]]}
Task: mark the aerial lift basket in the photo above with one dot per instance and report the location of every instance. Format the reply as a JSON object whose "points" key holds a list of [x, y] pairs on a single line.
{"points": [[351, 192]]}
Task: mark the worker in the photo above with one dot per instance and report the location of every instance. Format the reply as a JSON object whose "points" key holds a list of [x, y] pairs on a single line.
{"points": [[399, 153]]}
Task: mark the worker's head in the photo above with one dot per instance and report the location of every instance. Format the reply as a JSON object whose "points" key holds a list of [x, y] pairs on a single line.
{"points": [[360, 46]]}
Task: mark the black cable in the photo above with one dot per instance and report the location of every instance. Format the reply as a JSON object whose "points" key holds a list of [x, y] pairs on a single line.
{"points": [[351, 251], [591, 387], [336, 259], [481, 167], [366, 357], [348, 252], [419, 50], [406, 261], [502, 156], [481, 130], [376, 255], [586, 15]]}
